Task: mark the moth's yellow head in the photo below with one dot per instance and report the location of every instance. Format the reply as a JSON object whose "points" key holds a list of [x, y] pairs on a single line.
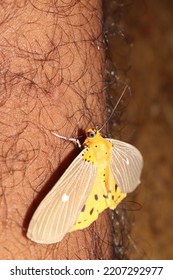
{"points": [[92, 136]]}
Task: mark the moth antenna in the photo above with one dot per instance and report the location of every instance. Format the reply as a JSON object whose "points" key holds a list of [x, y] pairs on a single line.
{"points": [[118, 102]]}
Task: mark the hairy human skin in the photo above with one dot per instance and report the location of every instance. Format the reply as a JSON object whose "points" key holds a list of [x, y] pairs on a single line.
{"points": [[51, 78]]}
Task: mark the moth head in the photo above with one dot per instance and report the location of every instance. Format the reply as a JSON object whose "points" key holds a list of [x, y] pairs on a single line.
{"points": [[92, 133]]}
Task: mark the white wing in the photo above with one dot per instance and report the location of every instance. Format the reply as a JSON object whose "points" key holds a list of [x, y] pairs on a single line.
{"points": [[59, 210], [126, 165]]}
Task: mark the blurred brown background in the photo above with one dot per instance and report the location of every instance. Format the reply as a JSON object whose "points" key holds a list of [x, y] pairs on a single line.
{"points": [[149, 25]]}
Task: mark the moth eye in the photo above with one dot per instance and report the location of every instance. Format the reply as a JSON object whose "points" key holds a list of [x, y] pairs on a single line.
{"points": [[91, 134]]}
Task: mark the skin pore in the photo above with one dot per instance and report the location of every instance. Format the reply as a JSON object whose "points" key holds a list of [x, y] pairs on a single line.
{"points": [[52, 79]]}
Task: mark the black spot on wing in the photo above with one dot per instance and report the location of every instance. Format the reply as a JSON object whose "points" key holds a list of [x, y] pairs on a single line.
{"points": [[96, 197]]}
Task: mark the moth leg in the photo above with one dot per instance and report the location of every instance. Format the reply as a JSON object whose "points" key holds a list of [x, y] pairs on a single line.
{"points": [[75, 140]]}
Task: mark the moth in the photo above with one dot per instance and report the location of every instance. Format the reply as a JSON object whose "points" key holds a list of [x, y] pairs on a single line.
{"points": [[98, 178]]}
